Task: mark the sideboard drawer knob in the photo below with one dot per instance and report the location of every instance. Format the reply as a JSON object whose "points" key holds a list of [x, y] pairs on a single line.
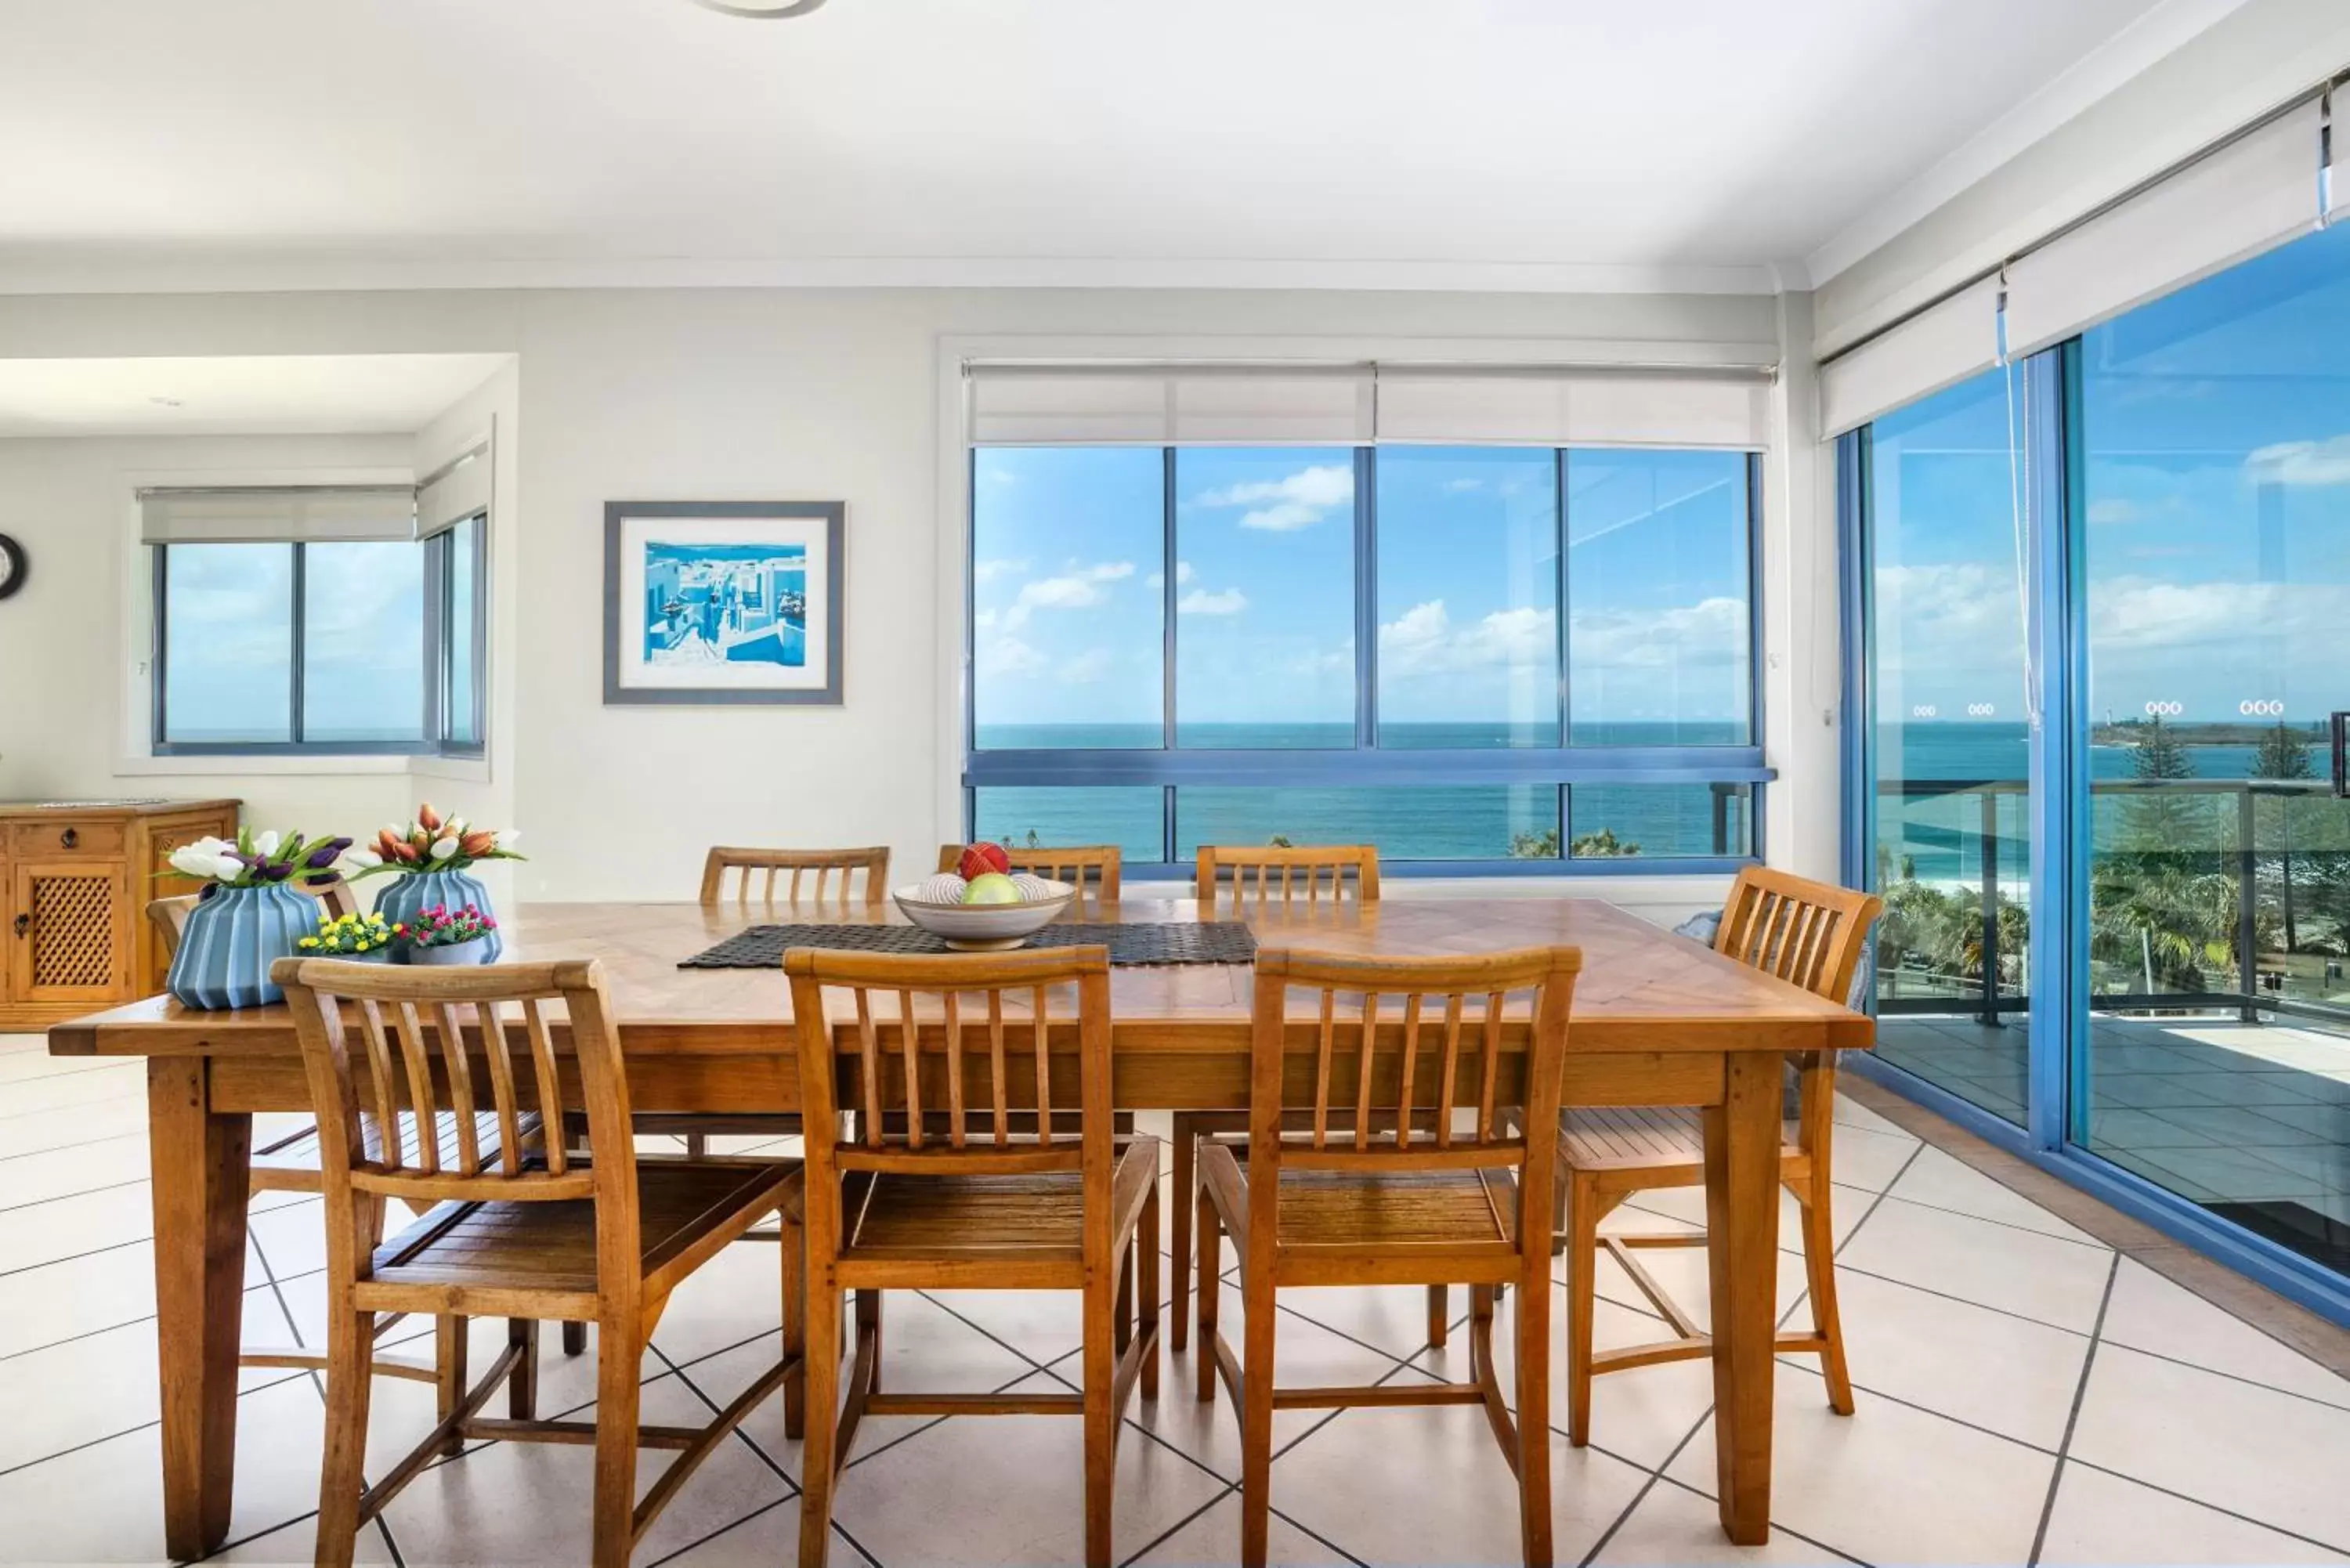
{"points": [[69, 838]]}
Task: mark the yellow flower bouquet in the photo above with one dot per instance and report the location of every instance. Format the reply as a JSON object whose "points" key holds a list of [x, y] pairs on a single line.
{"points": [[366, 938]]}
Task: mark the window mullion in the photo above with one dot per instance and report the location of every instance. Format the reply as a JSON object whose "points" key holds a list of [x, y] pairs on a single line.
{"points": [[300, 618], [1366, 600], [1565, 699]]}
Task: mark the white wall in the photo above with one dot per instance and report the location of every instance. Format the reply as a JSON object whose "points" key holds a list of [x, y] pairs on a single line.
{"points": [[791, 395], [62, 639]]}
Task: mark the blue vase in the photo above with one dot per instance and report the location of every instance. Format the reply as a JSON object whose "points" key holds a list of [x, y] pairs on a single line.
{"points": [[231, 938], [413, 891]]}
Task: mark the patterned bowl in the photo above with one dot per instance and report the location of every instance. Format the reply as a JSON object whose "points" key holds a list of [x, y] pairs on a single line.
{"points": [[984, 927]]}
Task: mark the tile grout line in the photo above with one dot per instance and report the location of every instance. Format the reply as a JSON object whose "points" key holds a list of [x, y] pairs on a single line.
{"points": [[1794, 1534], [68, 1197], [2073, 1418], [84, 1143], [2215, 1508]]}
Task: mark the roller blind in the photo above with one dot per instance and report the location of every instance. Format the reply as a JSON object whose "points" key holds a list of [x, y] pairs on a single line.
{"points": [[305, 514], [2255, 192], [1359, 405], [458, 491], [1938, 347], [1055, 405]]}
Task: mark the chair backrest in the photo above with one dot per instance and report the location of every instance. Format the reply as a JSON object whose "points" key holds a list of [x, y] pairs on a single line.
{"points": [[380, 1129], [825, 863], [1301, 871], [1812, 934], [1809, 933], [169, 916], [940, 1073], [1067, 863]]}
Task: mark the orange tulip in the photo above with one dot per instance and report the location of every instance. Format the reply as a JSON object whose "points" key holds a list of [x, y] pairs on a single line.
{"points": [[474, 844], [428, 817], [407, 853], [386, 844]]}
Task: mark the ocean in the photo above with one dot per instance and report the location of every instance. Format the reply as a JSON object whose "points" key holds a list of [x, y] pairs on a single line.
{"points": [[1939, 836]]}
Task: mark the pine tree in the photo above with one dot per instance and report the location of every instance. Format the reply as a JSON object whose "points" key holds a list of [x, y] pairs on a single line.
{"points": [[2283, 753]]}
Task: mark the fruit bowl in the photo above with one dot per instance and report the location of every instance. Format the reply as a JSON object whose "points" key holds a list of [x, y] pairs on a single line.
{"points": [[986, 927]]}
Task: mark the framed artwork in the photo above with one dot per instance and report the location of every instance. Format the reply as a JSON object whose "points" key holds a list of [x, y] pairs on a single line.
{"points": [[723, 601]]}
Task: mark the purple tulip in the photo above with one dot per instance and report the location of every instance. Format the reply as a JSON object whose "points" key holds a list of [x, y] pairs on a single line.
{"points": [[273, 873], [208, 890], [327, 854]]}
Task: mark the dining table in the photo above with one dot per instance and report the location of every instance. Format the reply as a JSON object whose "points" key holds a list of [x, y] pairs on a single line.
{"points": [[1657, 1020]]}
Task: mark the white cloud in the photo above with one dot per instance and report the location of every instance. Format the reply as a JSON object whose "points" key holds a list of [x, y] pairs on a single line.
{"points": [[1199, 601], [1009, 656], [1183, 573], [984, 621], [1085, 669], [1712, 631], [1295, 501], [2113, 509], [2304, 463], [1424, 641], [988, 571], [1077, 588], [1459, 486], [2149, 613]]}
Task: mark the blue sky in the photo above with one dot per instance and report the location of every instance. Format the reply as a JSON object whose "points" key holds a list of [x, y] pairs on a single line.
{"points": [[1069, 568], [2215, 425]]}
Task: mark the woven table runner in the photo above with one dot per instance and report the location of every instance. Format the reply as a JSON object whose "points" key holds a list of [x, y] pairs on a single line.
{"points": [[1190, 942]]}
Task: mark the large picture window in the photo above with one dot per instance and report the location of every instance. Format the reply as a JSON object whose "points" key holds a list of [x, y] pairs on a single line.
{"points": [[1478, 658], [322, 646]]}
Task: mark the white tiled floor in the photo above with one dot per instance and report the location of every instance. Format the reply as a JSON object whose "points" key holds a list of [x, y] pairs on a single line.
{"points": [[2027, 1395]]}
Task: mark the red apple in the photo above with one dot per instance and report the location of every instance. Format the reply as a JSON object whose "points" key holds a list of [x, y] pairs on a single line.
{"points": [[982, 858]]}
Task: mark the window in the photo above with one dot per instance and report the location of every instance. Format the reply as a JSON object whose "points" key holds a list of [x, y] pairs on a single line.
{"points": [[322, 645], [1174, 646]]}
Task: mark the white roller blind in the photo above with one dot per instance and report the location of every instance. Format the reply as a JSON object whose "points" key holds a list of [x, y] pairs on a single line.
{"points": [[309, 515], [1594, 407], [458, 490], [1040, 405], [2250, 195], [1938, 347]]}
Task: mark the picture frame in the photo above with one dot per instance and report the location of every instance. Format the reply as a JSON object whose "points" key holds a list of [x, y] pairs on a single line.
{"points": [[722, 602]]}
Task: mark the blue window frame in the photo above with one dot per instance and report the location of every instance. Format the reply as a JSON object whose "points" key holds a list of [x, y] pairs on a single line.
{"points": [[322, 647], [1496, 660]]}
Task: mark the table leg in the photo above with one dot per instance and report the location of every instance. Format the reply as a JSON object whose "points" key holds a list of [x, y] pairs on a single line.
{"points": [[1742, 1216], [201, 1165]]}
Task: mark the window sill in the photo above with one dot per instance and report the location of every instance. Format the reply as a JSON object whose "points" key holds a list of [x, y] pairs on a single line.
{"points": [[474, 769]]}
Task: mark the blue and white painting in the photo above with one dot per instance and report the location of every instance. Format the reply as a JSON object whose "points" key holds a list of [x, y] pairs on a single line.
{"points": [[725, 604], [722, 602]]}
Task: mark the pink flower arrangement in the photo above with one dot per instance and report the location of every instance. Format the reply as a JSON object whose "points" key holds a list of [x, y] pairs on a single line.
{"points": [[442, 927]]}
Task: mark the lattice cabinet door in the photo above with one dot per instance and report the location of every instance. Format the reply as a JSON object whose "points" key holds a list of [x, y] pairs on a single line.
{"points": [[71, 936]]}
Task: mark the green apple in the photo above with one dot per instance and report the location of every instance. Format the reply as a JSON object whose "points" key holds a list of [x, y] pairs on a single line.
{"points": [[995, 888]]}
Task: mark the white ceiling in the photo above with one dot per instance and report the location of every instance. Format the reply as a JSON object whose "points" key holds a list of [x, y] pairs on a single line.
{"points": [[351, 394], [1500, 143]]}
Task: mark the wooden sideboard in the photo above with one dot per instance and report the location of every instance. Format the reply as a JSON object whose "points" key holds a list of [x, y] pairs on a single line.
{"points": [[75, 880]]}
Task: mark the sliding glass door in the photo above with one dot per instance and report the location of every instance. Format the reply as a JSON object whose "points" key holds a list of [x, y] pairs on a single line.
{"points": [[2211, 447], [1948, 844]]}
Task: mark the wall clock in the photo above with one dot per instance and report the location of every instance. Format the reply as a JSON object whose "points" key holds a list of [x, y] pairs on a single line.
{"points": [[12, 566]]}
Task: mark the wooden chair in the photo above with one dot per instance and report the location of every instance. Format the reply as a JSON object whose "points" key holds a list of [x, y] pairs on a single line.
{"points": [[522, 1238], [1301, 871], [1231, 868], [697, 1131], [1403, 1205], [973, 1204], [1068, 864], [290, 1164], [825, 863], [1807, 932]]}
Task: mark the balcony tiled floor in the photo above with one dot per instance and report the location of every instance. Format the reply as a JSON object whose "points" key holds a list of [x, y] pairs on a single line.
{"points": [[2028, 1394]]}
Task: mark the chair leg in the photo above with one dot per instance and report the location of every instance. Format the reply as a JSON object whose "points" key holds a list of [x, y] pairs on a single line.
{"points": [[350, 1345], [522, 1384], [575, 1338], [450, 1360], [794, 1247], [1210, 1288], [1146, 1245], [1819, 1266], [1187, 1196], [697, 1145], [1534, 1409], [1582, 1302], [620, 1353], [1256, 1418], [869, 1334], [817, 1461], [1101, 1418], [1437, 1327]]}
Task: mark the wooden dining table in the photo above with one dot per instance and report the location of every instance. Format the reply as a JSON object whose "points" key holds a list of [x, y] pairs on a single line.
{"points": [[1657, 1020]]}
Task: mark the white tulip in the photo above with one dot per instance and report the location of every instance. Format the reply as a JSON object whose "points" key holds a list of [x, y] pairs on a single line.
{"points": [[443, 848], [265, 843], [506, 840], [361, 859], [209, 844], [194, 860], [228, 869], [454, 829]]}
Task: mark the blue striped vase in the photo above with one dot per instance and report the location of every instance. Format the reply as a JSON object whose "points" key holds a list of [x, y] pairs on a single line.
{"points": [[231, 938], [413, 890]]}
